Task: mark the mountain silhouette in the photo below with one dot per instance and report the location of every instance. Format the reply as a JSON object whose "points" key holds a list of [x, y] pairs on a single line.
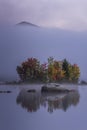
{"points": [[24, 23]]}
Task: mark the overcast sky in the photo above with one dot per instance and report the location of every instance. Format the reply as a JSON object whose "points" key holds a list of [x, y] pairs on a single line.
{"points": [[66, 14]]}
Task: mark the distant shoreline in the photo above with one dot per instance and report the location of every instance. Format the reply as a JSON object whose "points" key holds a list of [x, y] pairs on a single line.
{"points": [[37, 82]]}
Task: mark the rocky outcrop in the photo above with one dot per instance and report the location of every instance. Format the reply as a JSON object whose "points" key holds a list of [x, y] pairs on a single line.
{"points": [[56, 90]]}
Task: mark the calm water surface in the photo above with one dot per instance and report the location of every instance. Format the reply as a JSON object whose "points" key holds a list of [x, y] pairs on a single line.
{"points": [[23, 110]]}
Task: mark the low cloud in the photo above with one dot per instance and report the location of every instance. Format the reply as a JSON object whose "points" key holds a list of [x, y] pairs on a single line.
{"points": [[66, 14]]}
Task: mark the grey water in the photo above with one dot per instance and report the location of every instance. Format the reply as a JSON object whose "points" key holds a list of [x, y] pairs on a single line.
{"points": [[24, 110], [19, 43]]}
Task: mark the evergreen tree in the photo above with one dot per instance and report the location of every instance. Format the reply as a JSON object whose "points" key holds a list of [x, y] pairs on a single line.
{"points": [[65, 67]]}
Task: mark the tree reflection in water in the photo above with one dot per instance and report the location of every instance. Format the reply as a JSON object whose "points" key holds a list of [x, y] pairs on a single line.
{"points": [[52, 101]]}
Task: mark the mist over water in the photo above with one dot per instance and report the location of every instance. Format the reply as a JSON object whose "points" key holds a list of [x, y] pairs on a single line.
{"points": [[19, 43]]}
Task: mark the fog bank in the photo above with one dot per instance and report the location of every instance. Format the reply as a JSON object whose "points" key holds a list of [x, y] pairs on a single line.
{"points": [[19, 43]]}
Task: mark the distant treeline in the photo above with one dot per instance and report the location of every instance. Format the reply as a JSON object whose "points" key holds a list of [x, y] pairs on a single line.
{"points": [[52, 71]]}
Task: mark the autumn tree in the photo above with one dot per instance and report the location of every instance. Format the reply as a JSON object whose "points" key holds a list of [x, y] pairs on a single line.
{"points": [[29, 69], [32, 70], [55, 72]]}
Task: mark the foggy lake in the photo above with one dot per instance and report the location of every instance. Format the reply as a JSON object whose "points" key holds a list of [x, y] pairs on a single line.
{"points": [[43, 65], [19, 43], [22, 110]]}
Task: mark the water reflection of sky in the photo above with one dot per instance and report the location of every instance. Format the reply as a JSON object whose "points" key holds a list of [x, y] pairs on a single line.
{"points": [[15, 117]]}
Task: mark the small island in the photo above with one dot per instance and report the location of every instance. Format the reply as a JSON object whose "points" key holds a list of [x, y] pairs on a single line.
{"points": [[32, 70]]}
